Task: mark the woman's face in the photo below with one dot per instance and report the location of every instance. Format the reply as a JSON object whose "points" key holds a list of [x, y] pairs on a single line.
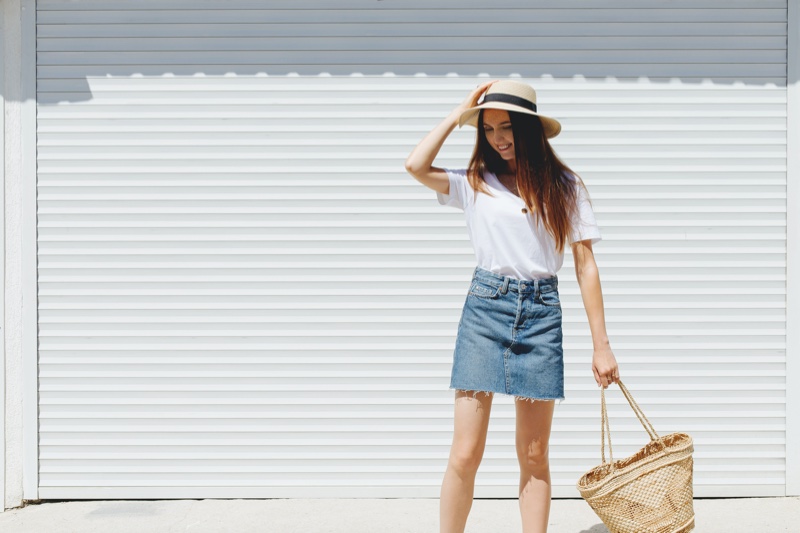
{"points": [[497, 128]]}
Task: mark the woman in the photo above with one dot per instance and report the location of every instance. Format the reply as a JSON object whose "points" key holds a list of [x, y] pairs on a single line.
{"points": [[509, 337]]}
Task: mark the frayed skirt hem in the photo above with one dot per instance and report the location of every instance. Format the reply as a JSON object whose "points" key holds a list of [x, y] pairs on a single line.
{"points": [[516, 397]]}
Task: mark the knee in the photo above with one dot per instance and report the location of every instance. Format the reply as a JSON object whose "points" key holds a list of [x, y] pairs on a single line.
{"points": [[534, 459], [466, 461]]}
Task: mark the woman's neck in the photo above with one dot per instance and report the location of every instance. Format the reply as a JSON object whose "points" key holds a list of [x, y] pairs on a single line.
{"points": [[509, 172]]}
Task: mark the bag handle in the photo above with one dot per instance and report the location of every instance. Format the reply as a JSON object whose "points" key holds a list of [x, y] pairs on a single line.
{"points": [[606, 428]]}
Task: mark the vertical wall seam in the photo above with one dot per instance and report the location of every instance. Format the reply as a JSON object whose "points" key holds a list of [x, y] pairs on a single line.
{"points": [[30, 386]]}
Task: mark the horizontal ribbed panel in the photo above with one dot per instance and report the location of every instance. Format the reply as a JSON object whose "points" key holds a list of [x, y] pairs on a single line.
{"points": [[243, 294], [690, 40]]}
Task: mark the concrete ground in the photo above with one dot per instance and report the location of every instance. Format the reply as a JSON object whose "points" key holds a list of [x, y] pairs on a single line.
{"points": [[729, 515]]}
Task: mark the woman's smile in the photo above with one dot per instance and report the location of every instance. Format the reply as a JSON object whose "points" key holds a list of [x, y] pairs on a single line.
{"points": [[498, 131]]}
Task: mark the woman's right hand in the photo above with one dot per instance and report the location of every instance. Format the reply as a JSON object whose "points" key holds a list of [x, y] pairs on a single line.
{"points": [[474, 96]]}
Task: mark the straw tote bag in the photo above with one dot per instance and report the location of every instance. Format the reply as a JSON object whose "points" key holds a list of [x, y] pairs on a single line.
{"points": [[648, 492]]}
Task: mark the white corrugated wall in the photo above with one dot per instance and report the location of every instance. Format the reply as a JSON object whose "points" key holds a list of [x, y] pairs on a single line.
{"points": [[243, 294]]}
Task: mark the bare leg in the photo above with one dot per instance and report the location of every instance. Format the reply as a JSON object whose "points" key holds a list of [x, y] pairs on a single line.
{"points": [[469, 441], [534, 420]]}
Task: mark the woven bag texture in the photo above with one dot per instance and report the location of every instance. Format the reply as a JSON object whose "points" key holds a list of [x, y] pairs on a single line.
{"points": [[648, 492]]}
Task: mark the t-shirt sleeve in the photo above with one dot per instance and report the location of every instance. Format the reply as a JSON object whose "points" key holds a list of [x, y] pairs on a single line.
{"points": [[584, 224], [460, 194]]}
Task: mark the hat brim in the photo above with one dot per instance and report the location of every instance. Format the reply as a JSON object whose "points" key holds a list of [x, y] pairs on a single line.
{"points": [[551, 126]]}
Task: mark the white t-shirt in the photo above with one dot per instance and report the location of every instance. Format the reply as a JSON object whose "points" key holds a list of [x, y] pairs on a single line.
{"points": [[506, 240]]}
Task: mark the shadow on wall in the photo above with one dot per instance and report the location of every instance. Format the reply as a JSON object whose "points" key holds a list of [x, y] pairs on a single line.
{"points": [[689, 42]]}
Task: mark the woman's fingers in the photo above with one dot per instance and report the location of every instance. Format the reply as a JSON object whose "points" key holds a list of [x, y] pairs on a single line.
{"points": [[475, 95], [597, 377], [483, 86], [606, 378], [605, 367]]}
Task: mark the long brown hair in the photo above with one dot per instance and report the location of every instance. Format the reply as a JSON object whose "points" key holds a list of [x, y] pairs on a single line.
{"points": [[544, 181]]}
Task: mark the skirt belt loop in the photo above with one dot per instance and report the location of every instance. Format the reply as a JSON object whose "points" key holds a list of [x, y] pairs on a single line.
{"points": [[504, 289]]}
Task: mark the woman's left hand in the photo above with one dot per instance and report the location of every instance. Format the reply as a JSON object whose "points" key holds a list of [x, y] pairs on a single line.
{"points": [[604, 366]]}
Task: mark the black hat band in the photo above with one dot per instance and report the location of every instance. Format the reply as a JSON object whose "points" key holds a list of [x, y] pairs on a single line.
{"points": [[510, 99]]}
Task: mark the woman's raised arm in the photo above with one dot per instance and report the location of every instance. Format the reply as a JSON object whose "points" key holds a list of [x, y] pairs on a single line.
{"points": [[420, 161]]}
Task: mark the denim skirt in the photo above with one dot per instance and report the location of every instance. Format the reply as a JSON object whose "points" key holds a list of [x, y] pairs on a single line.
{"points": [[509, 338]]}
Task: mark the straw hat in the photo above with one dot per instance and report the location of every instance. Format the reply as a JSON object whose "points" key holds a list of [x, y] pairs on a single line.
{"points": [[511, 96]]}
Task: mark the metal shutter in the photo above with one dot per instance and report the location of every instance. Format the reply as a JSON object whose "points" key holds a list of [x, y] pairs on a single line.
{"points": [[242, 294]]}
